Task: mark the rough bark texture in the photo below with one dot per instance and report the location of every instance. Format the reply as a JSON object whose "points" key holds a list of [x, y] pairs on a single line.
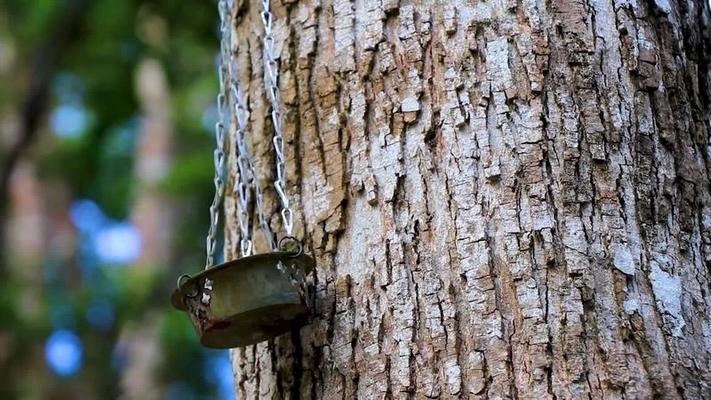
{"points": [[506, 199]]}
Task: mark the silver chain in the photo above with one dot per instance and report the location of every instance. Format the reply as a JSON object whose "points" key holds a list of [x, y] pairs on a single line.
{"points": [[247, 176], [219, 152], [244, 172], [271, 78]]}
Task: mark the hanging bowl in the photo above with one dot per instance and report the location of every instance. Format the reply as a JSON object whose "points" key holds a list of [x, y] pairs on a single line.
{"points": [[248, 300]]}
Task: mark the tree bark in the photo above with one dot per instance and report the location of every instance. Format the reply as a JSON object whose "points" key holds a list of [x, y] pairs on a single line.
{"points": [[505, 199]]}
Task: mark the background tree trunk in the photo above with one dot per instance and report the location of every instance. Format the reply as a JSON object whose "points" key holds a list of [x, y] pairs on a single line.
{"points": [[153, 214], [506, 199]]}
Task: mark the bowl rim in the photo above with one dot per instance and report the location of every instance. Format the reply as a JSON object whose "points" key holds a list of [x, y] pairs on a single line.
{"points": [[177, 297]]}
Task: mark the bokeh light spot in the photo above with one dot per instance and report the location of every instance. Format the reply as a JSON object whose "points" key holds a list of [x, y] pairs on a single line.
{"points": [[69, 120], [64, 352], [118, 243], [87, 216]]}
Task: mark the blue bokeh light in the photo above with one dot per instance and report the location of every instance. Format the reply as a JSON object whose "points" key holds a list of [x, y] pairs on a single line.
{"points": [[69, 120], [104, 240], [87, 216], [118, 243], [64, 352]]}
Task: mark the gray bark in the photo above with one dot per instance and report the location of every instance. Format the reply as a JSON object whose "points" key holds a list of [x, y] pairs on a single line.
{"points": [[506, 199]]}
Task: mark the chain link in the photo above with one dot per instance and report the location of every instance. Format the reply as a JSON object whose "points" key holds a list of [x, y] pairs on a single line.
{"points": [[230, 94], [245, 164], [219, 152], [247, 173], [271, 83], [242, 183]]}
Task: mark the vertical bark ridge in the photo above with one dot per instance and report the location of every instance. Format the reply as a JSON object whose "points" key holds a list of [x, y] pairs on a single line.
{"points": [[506, 199]]}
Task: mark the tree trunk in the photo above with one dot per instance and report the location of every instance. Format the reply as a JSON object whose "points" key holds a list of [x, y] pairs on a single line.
{"points": [[505, 199], [154, 216], [152, 211]]}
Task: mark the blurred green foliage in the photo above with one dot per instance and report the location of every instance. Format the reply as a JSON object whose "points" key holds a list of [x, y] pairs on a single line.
{"points": [[97, 70]]}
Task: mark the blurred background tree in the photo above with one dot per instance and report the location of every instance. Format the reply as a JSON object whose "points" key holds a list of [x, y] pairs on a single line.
{"points": [[106, 115]]}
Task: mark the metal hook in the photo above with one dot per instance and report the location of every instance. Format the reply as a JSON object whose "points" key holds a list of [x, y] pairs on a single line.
{"points": [[181, 277], [188, 294], [299, 247]]}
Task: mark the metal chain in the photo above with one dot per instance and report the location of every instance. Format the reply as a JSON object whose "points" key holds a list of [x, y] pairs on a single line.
{"points": [[219, 153], [230, 90], [248, 178], [242, 186], [247, 173], [271, 78]]}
